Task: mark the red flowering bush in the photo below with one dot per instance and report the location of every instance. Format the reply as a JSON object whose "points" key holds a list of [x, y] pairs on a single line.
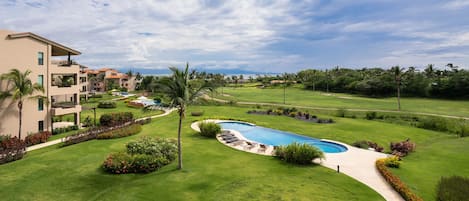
{"points": [[403, 148], [37, 138], [395, 182], [11, 149]]}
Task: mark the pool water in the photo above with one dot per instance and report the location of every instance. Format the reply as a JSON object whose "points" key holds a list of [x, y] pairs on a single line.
{"points": [[277, 138]]}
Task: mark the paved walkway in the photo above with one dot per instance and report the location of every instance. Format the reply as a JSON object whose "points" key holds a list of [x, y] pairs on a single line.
{"points": [[333, 109], [356, 163], [53, 142]]}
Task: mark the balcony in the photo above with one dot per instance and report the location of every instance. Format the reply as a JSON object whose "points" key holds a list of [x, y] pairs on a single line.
{"points": [[65, 108], [64, 67], [64, 89]]}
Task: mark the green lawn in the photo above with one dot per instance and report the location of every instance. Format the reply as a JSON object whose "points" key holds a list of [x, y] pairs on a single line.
{"points": [[298, 96], [213, 171]]}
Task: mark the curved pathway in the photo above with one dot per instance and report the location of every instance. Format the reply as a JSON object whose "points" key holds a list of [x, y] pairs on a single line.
{"points": [[355, 162], [53, 142], [332, 109]]}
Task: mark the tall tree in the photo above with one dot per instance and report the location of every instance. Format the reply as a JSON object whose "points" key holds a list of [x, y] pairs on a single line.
{"points": [[181, 90], [21, 87], [397, 72]]}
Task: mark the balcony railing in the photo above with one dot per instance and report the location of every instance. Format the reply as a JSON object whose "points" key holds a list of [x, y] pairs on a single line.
{"points": [[64, 63], [64, 105]]}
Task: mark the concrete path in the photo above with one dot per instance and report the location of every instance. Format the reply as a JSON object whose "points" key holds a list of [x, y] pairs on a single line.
{"points": [[360, 165], [356, 163], [50, 143]]}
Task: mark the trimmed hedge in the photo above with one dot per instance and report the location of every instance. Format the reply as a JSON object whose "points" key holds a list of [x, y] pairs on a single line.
{"points": [[299, 153], [395, 182], [142, 156], [112, 119], [209, 129], [64, 129], [197, 113], [122, 132], [453, 188], [37, 138], [107, 104]]}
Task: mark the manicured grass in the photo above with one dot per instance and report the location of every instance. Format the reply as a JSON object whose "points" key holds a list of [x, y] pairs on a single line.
{"points": [[121, 107], [436, 158], [212, 171], [298, 96]]}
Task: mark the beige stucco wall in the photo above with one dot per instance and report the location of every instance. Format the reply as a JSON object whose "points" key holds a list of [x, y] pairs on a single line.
{"points": [[22, 54]]}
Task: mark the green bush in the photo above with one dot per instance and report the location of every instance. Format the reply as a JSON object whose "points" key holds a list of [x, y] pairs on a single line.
{"points": [[393, 162], [121, 132], [463, 129], [341, 112], [299, 153], [209, 129], [107, 104], [56, 131], [453, 188], [197, 113], [112, 119], [433, 123], [370, 115], [142, 156], [158, 147]]}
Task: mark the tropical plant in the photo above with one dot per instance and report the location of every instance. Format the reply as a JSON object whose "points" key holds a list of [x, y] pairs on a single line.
{"points": [[209, 129], [302, 154], [398, 71], [181, 91], [21, 87]]}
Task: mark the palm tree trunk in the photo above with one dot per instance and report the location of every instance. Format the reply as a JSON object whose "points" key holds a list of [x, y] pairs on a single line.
{"points": [[179, 142], [20, 115], [398, 97]]}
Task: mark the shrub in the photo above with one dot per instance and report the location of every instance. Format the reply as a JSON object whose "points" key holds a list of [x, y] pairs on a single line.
{"points": [[402, 148], [341, 112], [11, 149], [197, 113], [453, 188], [159, 147], [463, 130], [142, 156], [144, 121], [370, 115], [368, 144], [292, 114], [37, 138], [121, 132], [107, 104], [112, 119], [56, 131], [298, 153], [395, 182], [433, 123], [209, 129], [96, 96], [393, 162]]}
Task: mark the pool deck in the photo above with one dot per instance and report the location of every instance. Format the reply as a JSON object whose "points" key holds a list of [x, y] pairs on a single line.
{"points": [[355, 162]]}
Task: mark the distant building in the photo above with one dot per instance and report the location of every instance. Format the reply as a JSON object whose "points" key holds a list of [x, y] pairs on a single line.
{"points": [[100, 80], [28, 51]]}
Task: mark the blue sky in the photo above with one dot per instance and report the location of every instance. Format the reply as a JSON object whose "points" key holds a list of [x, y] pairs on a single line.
{"points": [[263, 36]]}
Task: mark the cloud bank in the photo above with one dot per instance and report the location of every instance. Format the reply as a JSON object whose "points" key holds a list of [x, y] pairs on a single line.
{"points": [[265, 36]]}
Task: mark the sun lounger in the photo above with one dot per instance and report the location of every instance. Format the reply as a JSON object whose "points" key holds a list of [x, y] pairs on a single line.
{"points": [[262, 148], [232, 140], [229, 138], [250, 145]]}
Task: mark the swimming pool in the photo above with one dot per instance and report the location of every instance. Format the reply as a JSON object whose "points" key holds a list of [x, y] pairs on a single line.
{"points": [[277, 138]]}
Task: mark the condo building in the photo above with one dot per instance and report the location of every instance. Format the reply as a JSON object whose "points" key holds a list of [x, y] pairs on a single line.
{"points": [[63, 82]]}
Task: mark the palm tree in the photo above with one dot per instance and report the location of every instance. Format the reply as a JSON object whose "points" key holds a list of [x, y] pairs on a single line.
{"points": [[398, 71], [21, 88], [181, 90]]}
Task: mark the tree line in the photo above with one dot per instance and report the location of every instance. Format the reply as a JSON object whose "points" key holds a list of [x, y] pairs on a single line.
{"points": [[449, 82]]}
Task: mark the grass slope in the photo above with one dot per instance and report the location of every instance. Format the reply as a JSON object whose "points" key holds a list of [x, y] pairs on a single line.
{"points": [[298, 96], [212, 171]]}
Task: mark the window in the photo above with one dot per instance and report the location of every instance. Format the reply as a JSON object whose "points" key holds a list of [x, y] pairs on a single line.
{"points": [[40, 125], [40, 80], [40, 104], [40, 58]]}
